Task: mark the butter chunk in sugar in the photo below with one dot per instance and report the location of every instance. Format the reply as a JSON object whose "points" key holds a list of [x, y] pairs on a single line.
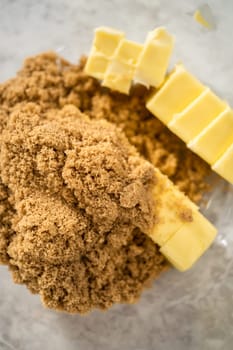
{"points": [[106, 40], [178, 91], [224, 165], [96, 65], [197, 115], [214, 140], [189, 243], [171, 208], [154, 59], [118, 77]]}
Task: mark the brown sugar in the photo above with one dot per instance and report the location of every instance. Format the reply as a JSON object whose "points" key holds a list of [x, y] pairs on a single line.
{"points": [[78, 231], [75, 195]]}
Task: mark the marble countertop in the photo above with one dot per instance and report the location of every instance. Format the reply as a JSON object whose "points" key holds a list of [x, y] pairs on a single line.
{"points": [[193, 310]]}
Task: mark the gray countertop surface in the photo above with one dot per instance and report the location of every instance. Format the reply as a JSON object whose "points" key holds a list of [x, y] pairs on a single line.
{"points": [[193, 310]]}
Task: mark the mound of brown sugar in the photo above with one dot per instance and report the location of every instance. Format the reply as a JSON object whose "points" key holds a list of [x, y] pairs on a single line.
{"points": [[82, 200], [75, 196]]}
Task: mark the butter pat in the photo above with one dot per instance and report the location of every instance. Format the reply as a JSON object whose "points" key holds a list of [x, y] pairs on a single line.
{"points": [[154, 59], [197, 115], [120, 72], [186, 246], [96, 65], [172, 206], [105, 42], [224, 165], [128, 52], [178, 91], [214, 140], [118, 77]]}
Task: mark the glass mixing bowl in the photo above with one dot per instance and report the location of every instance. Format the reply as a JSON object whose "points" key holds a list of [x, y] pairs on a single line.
{"points": [[191, 310]]}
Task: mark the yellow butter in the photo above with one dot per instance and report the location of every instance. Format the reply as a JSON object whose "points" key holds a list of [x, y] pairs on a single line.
{"points": [[204, 16], [96, 65], [201, 20], [186, 246], [214, 140], [170, 204], [154, 59], [181, 241], [128, 52], [120, 72], [118, 77], [224, 165], [197, 115], [178, 91], [105, 42]]}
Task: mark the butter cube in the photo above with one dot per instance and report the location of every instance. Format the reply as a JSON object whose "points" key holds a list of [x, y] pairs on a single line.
{"points": [[214, 140], [172, 208], [197, 115], [186, 246], [106, 40], [120, 72], [119, 76], [128, 52], [224, 165], [154, 59], [96, 65], [178, 91]]}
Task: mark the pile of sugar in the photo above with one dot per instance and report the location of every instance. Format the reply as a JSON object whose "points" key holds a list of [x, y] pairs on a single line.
{"points": [[59, 173]]}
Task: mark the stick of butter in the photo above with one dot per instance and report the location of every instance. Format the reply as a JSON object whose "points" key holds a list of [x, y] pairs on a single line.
{"points": [[154, 59], [178, 91], [195, 114], [186, 246], [106, 40], [182, 233], [224, 165], [121, 69]]}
